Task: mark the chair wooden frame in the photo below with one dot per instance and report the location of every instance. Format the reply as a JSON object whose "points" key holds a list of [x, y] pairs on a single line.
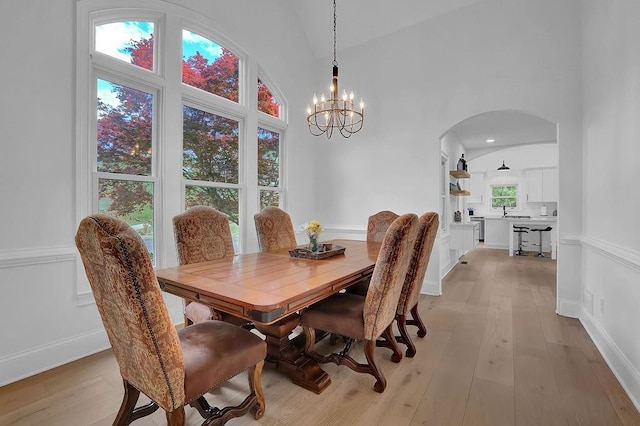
{"points": [[378, 307]]}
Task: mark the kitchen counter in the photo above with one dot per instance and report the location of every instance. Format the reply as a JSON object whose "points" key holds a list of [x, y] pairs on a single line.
{"points": [[535, 222], [463, 224], [499, 231]]}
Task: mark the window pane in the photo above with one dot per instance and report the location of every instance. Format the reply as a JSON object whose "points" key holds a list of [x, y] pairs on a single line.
{"points": [[267, 103], [269, 198], [209, 66], [130, 201], [210, 147], [130, 41], [504, 191], [268, 158], [124, 129], [224, 200]]}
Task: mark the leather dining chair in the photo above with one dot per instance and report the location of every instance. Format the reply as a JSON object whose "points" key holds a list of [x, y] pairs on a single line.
{"points": [[366, 318], [274, 229], [202, 233], [408, 303], [173, 368]]}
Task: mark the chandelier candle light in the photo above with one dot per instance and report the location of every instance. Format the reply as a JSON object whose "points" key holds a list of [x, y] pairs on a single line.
{"points": [[335, 112]]}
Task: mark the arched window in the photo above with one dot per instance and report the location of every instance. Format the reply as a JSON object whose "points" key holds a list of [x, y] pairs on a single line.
{"points": [[162, 126]]}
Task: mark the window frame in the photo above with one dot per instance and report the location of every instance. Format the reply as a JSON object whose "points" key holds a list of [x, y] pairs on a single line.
{"points": [[164, 82]]}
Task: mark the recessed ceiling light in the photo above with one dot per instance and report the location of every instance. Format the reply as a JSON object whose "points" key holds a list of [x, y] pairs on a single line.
{"points": [[490, 140]]}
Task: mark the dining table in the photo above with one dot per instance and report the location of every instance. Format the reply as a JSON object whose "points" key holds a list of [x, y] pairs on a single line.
{"points": [[269, 289]]}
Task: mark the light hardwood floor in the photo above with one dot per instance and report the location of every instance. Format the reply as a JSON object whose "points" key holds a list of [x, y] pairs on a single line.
{"points": [[496, 354]]}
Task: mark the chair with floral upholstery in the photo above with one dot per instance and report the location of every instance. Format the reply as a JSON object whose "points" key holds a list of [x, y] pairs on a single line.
{"points": [[202, 233], [366, 318], [173, 368], [274, 229], [408, 303], [377, 226]]}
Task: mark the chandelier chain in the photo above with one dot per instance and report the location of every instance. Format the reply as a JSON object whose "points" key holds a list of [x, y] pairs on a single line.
{"points": [[335, 61]]}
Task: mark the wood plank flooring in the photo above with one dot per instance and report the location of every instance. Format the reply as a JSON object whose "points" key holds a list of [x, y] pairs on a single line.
{"points": [[496, 354]]}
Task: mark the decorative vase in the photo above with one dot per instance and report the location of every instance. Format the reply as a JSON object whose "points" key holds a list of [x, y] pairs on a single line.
{"points": [[313, 242]]}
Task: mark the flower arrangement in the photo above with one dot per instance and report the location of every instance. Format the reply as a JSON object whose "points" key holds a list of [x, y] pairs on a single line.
{"points": [[313, 229]]}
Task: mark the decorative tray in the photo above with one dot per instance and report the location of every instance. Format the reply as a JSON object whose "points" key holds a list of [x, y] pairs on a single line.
{"points": [[308, 254]]}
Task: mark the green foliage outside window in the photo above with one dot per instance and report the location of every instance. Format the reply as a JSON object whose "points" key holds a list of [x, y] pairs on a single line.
{"points": [[504, 195]]}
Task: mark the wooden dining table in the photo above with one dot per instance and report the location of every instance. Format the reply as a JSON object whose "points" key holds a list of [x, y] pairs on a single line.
{"points": [[269, 289]]}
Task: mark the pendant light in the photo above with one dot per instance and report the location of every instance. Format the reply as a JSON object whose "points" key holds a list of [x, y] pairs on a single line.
{"points": [[336, 112], [503, 167]]}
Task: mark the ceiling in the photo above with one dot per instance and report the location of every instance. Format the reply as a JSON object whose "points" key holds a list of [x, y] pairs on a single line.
{"points": [[359, 21], [507, 128]]}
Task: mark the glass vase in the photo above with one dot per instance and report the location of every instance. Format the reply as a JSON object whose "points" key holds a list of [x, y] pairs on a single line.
{"points": [[313, 242]]}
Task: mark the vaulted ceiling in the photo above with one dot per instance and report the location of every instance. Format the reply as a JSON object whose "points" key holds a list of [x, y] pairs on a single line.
{"points": [[359, 21]]}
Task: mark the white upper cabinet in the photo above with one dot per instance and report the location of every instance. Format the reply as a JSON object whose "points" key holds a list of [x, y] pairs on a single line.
{"points": [[542, 185], [476, 186], [550, 185]]}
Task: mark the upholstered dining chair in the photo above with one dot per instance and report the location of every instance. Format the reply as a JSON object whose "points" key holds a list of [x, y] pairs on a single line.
{"points": [[274, 229], [366, 318], [202, 233], [377, 226], [408, 303], [173, 368]]}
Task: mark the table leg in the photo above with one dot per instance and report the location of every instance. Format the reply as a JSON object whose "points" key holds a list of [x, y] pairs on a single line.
{"points": [[288, 355]]}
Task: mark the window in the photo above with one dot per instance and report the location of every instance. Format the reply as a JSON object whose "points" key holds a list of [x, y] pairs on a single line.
{"points": [[162, 125], [210, 67], [267, 103], [504, 196], [124, 141], [269, 168]]}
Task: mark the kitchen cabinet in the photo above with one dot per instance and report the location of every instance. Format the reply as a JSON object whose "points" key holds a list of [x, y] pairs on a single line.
{"points": [[476, 186], [459, 174], [542, 185], [464, 236], [550, 185], [496, 233]]}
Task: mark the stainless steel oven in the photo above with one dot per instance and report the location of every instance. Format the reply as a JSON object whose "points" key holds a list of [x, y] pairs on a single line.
{"points": [[480, 220]]}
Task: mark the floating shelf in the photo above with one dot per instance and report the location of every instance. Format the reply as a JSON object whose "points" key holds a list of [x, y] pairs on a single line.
{"points": [[460, 192], [460, 174]]}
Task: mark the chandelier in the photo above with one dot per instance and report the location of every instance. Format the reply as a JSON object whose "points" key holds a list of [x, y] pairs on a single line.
{"points": [[337, 112]]}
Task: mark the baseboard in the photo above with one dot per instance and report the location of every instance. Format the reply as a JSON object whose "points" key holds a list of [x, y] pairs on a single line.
{"points": [[619, 364], [448, 267], [569, 308], [431, 288], [23, 364], [497, 246], [27, 363]]}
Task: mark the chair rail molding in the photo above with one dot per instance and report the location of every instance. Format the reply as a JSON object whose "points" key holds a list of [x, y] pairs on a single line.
{"points": [[37, 256], [623, 255]]}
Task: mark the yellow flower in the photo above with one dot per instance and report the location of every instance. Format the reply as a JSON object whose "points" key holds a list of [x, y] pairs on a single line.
{"points": [[314, 227]]}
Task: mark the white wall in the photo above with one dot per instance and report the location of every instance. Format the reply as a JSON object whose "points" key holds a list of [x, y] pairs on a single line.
{"points": [[493, 55], [610, 240], [43, 321]]}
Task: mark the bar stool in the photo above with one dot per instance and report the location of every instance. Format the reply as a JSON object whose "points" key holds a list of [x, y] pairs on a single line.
{"points": [[541, 230], [519, 230]]}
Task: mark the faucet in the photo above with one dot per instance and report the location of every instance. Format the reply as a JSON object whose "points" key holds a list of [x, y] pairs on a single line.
{"points": [[504, 211]]}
